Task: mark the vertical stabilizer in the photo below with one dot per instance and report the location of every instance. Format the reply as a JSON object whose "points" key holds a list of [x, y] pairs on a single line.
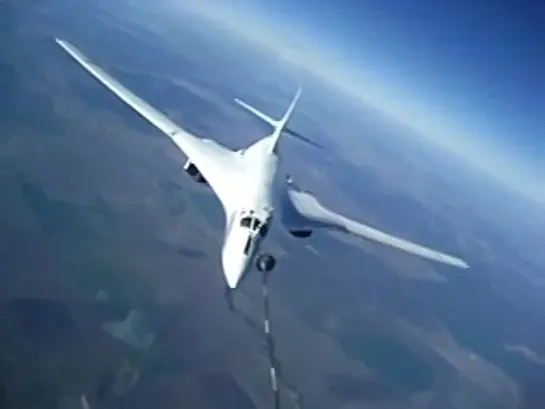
{"points": [[283, 122]]}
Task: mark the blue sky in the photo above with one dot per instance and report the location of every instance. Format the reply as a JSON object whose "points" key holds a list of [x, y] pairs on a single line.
{"points": [[469, 74]]}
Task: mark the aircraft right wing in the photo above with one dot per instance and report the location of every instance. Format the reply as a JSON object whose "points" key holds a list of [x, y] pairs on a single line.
{"points": [[301, 210], [216, 163]]}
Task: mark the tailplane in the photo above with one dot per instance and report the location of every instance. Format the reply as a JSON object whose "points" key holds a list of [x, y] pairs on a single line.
{"points": [[279, 125], [264, 117]]}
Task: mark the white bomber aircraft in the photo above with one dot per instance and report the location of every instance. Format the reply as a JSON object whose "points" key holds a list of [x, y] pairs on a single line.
{"points": [[251, 191]]}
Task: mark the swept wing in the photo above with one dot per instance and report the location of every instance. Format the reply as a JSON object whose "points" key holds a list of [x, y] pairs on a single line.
{"points": [[218, 164], [301, 210]]}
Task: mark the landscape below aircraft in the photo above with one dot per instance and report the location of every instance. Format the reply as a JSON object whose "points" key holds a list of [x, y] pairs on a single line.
{"points": [[252, 192]]}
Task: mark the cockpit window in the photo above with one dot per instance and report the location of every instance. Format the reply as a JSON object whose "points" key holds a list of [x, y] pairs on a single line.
{"points": [[246, 222], [255, 225], [250, 222]]}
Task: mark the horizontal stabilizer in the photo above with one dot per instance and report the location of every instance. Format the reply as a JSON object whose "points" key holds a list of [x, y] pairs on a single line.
{"points": [[271, 121], [303, 138], [280, 125]]}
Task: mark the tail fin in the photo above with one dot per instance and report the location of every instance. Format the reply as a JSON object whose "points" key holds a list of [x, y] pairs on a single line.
{"points": [[279, 125]]}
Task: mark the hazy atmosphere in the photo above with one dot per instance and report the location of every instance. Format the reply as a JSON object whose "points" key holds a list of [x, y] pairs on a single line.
{"points": [[110, 279], [467, 74]]}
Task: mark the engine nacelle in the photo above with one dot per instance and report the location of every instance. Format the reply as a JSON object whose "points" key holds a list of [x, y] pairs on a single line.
{"points": [[194, 172], [301, 234]]}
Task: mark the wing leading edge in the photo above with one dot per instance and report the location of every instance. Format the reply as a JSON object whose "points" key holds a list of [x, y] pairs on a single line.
{"points": [[217, 164], [305, 211]]}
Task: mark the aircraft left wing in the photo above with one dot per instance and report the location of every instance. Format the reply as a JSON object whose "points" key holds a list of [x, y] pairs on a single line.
{"points": [[301, 210], [216, 163]]}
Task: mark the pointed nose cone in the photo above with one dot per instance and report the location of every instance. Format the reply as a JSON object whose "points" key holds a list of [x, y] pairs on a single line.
{"points": [[233, 269]]}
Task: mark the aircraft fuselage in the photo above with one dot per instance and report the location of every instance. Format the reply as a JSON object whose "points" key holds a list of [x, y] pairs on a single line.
{"points": [[247, 184], [249, 220]]}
